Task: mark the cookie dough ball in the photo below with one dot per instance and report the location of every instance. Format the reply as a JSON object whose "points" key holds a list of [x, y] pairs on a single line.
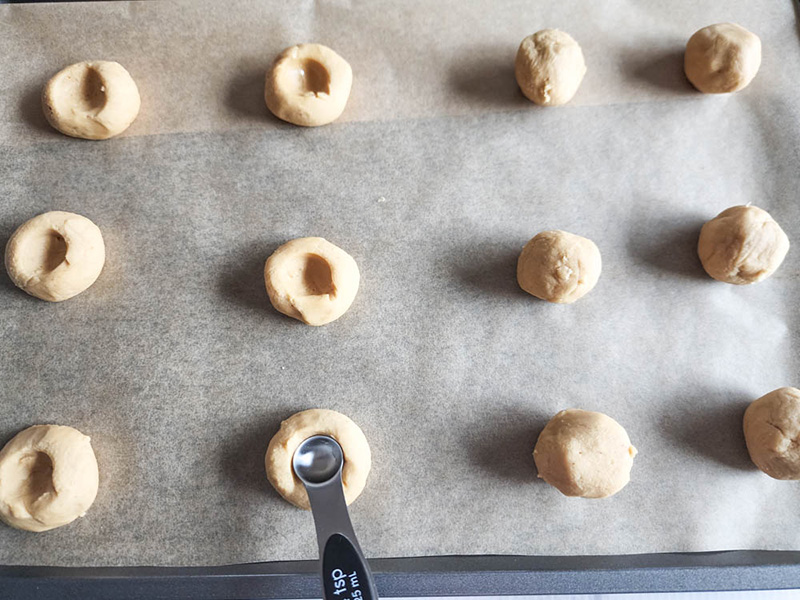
{"points": [[583, 453], [311, 280], [55, 256], [742, 245], [93, 100], [549, 67], [303, 425], [722, 58], [558, 266], [772, 433], [48, 477], [308, 85]]}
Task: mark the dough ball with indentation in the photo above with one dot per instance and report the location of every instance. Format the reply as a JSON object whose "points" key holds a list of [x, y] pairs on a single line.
{"points": [[772, 433], [93, 100], [722, 58], [559, 267], [55, 255], [308, 85], [303, 425], [742, 245], [48, 477], [549, 67], [584, 453], [311, 280]]}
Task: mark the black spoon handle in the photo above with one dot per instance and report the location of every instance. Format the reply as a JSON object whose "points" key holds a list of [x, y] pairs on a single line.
{"points": [[345, 572]]}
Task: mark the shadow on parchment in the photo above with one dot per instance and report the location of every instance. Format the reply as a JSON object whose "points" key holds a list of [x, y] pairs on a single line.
{"points": [[245, 94], [488, 77], [242, 456], [6, 231], [242, 280], [489, 270], [663, 70], [714, 432], [797, 16], [502, 445], [673, 249], [30, 109], [7, 434]]}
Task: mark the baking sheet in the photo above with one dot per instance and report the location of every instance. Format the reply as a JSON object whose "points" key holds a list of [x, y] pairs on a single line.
{"points": [[437, 174]]}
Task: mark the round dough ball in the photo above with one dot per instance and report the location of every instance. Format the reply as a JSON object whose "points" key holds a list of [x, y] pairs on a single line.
{"points": [[583, 453], [308, 85], [722, 58], [772, 433], [559, 267], [303, 425], [742, 245], [311, 280], [48, 477], [55, 255], [549, 67], [93, 100]]}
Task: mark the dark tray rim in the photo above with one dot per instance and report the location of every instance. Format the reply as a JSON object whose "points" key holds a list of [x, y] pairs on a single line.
{"points": [[421, 576]]}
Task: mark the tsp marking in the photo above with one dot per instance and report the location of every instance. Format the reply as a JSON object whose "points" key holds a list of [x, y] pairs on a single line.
{"points": [[340, 584]]}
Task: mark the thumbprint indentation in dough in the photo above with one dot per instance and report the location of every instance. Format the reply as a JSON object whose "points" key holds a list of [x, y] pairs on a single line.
{"points": [[92, 96], [311, 77], [44, 252], [39, 480], [81, 92], [317, 277]]}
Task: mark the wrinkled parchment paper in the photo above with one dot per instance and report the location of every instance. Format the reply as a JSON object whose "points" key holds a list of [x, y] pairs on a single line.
{"points": [[433, 179]]}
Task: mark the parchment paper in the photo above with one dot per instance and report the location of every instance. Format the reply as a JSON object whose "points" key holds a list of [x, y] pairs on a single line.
{"points": [[436, 175]]}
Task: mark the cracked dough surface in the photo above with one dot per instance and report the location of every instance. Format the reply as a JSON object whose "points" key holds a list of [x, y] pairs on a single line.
{"points": [[549, 67], [301, 426], [722, 58], [772, 433], [558, 266], [584, 453], [93, 100], [311, 280], [48, 477], [742, 245], [308, 85], [55, 256]]}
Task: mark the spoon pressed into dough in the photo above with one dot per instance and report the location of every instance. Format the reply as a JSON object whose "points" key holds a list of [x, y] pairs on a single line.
{"points": [[318, 462]]}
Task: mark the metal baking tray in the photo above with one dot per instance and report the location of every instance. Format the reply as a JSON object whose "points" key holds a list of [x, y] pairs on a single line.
{"points": [[418, 576], [422, 576]]}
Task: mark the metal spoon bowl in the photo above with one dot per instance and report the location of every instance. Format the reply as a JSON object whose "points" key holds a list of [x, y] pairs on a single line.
{"points": [[317, 459], [317, 463]]}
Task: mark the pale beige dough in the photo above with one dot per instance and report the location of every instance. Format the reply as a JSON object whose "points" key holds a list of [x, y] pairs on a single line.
{"points": [[303, 425], [549, 67], [308, 85], [558, 266], [584, 453], [742, 245], [772, 433], [311, 280], [55, 255], [93, 100], [722, 58], [48, 477]]}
